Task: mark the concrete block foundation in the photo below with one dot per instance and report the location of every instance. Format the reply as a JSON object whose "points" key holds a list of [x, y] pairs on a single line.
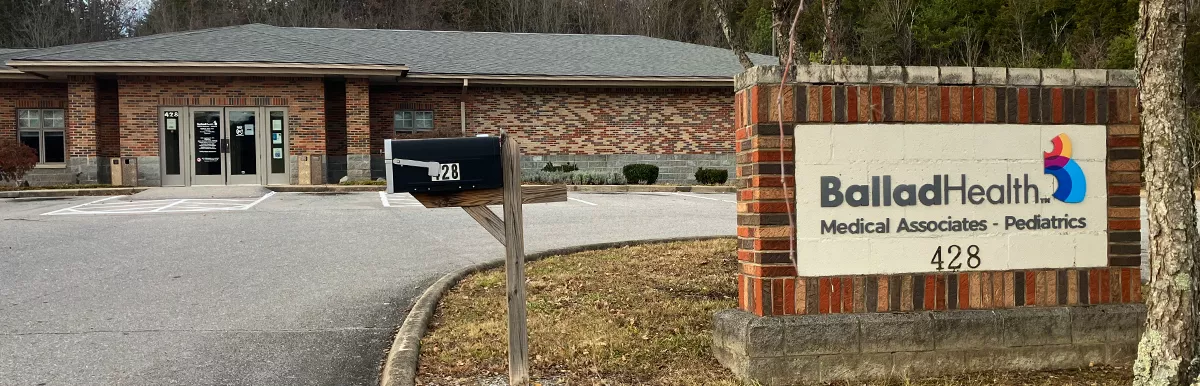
{"points": [[785, 350]]}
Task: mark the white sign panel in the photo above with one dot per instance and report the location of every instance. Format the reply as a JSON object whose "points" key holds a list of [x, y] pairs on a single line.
{"points": [[887, 198]]}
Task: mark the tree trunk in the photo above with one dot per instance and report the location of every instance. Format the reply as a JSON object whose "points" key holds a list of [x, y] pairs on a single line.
{"points": [[1168, 344], [829, 9], [734, 45]]}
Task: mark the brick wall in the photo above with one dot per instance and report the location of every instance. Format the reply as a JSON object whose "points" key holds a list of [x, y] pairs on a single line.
{"points": [[19, 95], [768, 283], [560, 121], [81, 116], [358, 122], [108, 118], [140, 97]]}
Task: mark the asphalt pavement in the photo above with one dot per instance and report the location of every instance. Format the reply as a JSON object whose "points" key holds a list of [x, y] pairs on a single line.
{"points": [[294, 289]]}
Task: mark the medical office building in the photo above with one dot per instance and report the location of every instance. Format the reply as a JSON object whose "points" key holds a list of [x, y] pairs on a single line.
{"points": [[257, 104]]}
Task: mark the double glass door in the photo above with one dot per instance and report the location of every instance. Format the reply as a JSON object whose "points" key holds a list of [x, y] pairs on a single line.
{"points": [[224, 146]]}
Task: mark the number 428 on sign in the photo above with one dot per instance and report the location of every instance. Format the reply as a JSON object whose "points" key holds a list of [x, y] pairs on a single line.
{"points": [[953, 257], [449, 172]]}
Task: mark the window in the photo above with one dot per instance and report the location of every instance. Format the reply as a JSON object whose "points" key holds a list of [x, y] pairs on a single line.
{"points": [[413, 121], [43, 130]]}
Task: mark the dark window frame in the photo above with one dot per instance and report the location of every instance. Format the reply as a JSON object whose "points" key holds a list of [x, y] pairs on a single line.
{"points": [[38, 124]]}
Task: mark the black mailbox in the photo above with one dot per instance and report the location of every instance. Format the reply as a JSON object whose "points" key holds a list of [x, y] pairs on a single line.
{"points": [[443, 164]]}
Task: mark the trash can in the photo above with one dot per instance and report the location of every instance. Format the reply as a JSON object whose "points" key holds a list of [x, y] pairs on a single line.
{"points": [[129, 172], [114, 172]]}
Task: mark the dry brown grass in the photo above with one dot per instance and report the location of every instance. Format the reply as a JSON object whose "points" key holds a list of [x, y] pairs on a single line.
{"points": [[630, 316]]}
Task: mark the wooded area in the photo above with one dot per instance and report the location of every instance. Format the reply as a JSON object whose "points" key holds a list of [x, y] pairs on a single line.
{"points": [[1018, 33]]}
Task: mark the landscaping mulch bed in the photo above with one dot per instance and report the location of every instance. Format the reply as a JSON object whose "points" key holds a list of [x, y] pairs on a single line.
{"points": [[638, 315]]}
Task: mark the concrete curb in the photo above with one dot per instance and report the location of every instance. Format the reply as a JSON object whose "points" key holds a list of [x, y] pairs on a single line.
{"points": [[400, 368], [325, 188], [70, 192]]}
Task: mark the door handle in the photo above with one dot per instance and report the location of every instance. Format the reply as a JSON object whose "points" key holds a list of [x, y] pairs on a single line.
{"points": [[225, 145]]}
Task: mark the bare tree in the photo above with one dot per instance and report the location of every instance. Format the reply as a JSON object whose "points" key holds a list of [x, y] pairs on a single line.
{"points": [[734, 44], [1167, 352]]}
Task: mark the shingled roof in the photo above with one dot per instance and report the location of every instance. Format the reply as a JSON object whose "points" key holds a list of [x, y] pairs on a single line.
{"points": [[420, 52]]}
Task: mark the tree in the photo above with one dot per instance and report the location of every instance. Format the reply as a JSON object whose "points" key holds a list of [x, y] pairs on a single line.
{"points": [[1167, 352], [16, 159], [727, 29]]}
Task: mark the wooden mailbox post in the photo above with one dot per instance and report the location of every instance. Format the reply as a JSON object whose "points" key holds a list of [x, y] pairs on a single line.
{"points": [[460, 172]]}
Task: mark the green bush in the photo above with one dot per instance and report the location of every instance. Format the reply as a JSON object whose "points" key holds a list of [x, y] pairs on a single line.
{"points": [[566, 167], [712, 176], [578, 178], [638, 173]]}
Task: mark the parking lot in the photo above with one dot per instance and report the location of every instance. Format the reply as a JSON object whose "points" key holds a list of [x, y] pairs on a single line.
{"points": [[281, 289]]}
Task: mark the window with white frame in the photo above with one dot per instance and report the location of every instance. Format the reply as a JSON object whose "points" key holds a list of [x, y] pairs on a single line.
{"points": [[413, 121], [44, 130]]}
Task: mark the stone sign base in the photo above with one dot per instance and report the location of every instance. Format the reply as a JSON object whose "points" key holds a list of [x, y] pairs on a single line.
{"points": [[784, 350]]}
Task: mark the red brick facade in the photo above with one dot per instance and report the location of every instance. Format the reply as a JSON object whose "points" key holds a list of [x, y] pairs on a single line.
{"points": [[21, 95], [570, 120], [81, 117], [358, 120], [768, 282], [140, 97], [118, 116]]}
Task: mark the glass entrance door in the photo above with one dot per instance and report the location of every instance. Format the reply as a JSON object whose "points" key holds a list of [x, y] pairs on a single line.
{"points": [[243, 160], [223, 146], [208, 147]]}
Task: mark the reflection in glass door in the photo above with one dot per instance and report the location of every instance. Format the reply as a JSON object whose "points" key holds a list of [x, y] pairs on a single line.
{"points": [[207, 165], [173, 131], [243, 131]]}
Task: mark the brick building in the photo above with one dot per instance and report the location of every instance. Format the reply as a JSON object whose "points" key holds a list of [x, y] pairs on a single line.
{"points": [[257, 104]]}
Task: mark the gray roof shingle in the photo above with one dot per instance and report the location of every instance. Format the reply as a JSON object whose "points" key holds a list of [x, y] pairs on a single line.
{"points": [[7, 53], [433, 52]]}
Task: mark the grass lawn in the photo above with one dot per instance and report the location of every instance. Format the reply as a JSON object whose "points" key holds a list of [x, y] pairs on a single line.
{"points": [[629, 316]]}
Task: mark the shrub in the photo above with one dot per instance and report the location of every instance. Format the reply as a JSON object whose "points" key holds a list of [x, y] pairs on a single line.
{"points": [[580, 178], [712, 176], [16, 159], [566, 167], [637, 173]]}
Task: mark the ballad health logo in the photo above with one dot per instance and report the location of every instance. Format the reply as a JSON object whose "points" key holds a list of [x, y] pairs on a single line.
{"points": [[943, 189], [1072, 185]]}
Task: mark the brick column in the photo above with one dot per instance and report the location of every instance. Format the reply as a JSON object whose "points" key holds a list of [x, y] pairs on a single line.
{"points": [[358, 129], [82, 144]]}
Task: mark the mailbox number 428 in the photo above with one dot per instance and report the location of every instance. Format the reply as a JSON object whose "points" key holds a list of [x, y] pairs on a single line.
{"points": [[450, 172]]}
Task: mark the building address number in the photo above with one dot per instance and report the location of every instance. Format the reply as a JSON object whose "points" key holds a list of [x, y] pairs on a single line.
{"points": [[954, 254]]}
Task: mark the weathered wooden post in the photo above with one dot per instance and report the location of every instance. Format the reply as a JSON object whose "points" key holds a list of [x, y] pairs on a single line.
{"points": [[472, 173]]}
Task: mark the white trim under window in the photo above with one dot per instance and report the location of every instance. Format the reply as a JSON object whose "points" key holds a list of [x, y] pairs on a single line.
{"points": [[44, 130], [412, 121]]}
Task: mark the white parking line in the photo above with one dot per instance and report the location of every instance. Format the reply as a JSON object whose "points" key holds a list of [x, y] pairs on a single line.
{"points": [[704, 198], [99, 207], [578, 200], [399, 200]]}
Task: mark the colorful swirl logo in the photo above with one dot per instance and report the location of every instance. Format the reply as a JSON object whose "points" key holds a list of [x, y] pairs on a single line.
{"points": [[1072, 185]]}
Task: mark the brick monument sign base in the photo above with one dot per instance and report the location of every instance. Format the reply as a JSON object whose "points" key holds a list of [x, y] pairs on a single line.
{"points": [[1062, 294]]}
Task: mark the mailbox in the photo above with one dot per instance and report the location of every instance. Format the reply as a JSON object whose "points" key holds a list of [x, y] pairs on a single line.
{"points": [[443, 164]]}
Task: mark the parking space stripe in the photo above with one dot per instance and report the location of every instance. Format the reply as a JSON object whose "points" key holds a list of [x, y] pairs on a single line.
{"points": [[84, 204], [384, 198], [578, 200], [705, 198], [162, 206]]}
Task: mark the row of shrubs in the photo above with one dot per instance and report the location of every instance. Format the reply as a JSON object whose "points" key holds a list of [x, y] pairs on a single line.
{"points": [[568, 173]]}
